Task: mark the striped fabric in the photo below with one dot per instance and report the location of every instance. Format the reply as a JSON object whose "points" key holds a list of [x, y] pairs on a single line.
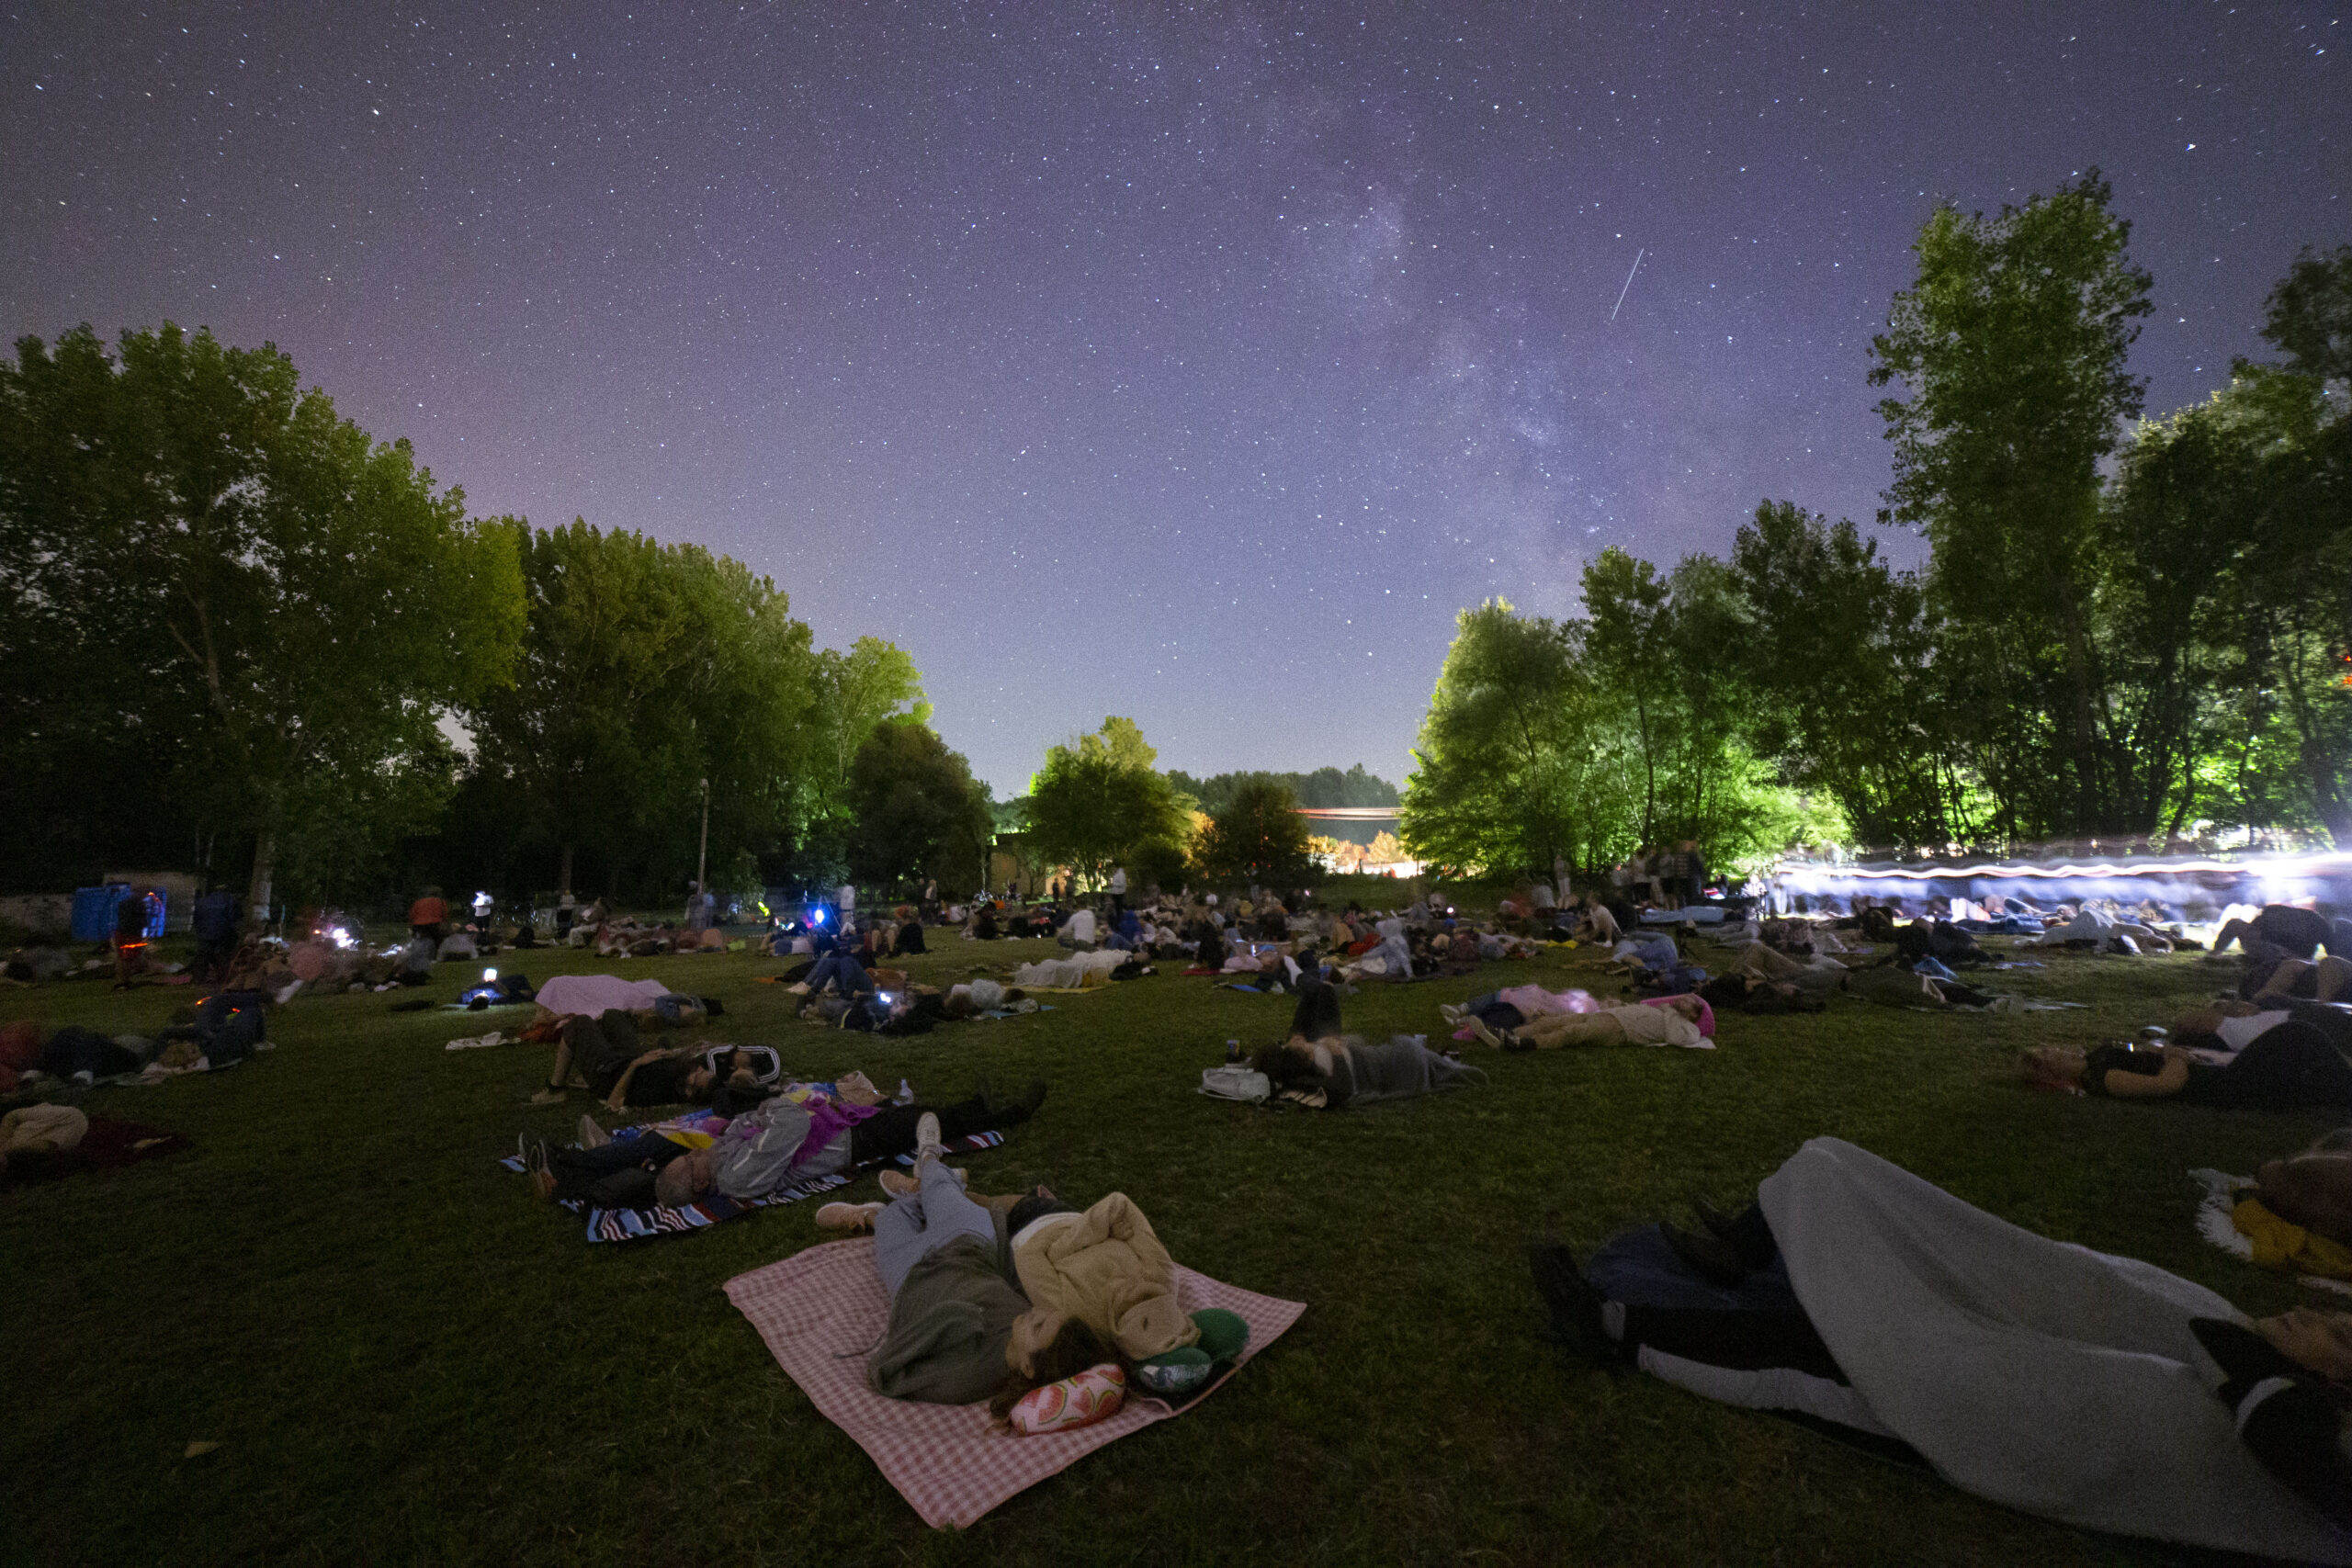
{"points": [[640, 1224]]}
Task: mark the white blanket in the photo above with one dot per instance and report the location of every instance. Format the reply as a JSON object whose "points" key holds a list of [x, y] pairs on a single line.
{"points": [[591, 996], [1069, 974], [2040, 1375]]}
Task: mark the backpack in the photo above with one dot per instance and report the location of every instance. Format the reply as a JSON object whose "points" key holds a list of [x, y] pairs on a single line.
{"points": [[758, 1149], [1245, 1083]]}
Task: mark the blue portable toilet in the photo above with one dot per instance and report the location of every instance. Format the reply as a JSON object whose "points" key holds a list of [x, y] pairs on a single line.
{"points": [[94, 911]]}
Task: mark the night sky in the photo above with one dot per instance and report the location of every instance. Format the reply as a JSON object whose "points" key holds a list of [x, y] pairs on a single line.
{"points": [[1194, 364]]}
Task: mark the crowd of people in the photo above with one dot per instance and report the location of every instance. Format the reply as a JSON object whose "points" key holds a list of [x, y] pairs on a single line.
{"points": [[1781, 1304]]}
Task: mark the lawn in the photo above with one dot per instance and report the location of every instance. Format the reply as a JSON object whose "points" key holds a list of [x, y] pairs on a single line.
{"points": [[406, 1360]]}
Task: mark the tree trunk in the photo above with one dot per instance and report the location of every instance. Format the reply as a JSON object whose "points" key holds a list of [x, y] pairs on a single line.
{"points": [[257, 894], [563, 882]]}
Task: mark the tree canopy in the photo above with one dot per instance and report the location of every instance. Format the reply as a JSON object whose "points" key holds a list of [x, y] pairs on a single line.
{"points": [[918, 812], [1257, 836], [1098, 797], [272, 612]]}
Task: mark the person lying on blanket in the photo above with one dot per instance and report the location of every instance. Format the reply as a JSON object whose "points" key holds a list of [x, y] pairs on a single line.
{"points": [[2098, 1391], [1674, 1020], [990, 1299], [1320, 1066], [604, 1056], [785, 1141], [2289, 1066]]}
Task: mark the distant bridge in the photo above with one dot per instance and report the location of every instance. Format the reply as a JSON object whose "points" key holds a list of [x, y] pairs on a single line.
{"points": [[1352, 813]]}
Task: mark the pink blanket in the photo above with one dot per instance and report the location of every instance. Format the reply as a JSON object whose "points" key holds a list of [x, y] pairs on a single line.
{"points": [[822, 1310]]}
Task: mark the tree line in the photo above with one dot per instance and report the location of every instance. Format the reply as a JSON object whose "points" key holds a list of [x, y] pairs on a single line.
{"points": [[243, 636], [2126, 628]]}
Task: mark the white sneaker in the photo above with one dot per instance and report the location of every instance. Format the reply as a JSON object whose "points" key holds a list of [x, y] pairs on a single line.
{"points": [[1451, 1012], [927, 1144], [591, 1135]]}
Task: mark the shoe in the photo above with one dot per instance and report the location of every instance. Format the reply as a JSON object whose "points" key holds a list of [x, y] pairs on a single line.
{"points": [[899, 1184], [1451, 1012], [1482, 1032], [1710, 1255], [1714, 1219], [549, 1095], [852, 1218], [1575, 1305], [591, 1135], [927, 1144], [1514, 1042]]}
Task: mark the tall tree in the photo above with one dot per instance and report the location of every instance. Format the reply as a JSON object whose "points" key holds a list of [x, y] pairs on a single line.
{"points": [[285, 607], [1518, 760], [647, 668], [1098, 796], [1631, 651], [2012, 347], [1839, 649], [919, 811], [1257, 836]]}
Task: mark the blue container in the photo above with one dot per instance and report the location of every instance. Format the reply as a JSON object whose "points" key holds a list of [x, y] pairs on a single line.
{"points": [[94, 911]]}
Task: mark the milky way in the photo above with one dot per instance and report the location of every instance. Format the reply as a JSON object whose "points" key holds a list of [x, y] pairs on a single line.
{"points": [[1194, 364]]}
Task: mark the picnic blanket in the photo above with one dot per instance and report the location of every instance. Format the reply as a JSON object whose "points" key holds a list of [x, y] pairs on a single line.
{"points": [[640, 1224], [822, 1309], [2232, 1219], [592, 996]]}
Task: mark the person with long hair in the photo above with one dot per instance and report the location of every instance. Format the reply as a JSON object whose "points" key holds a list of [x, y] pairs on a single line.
{"points": [[960, 1329]]}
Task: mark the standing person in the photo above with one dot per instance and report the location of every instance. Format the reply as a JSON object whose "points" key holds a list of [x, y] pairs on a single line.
{"points": [[483, 904], [132, 918], [567, 910], [1119, 890], [215, 925], [429, 917], [698, 909], [1693, 868], [845, 904]]}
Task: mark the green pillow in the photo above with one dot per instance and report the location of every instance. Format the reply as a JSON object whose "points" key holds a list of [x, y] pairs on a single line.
{"points": [[1223, 1334]]}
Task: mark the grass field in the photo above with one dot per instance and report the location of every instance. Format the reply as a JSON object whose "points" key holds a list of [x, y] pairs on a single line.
{"points": [[405, 1359]]}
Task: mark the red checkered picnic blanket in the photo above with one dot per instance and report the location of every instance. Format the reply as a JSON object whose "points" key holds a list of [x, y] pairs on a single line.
{"points": [[821, 1310]]}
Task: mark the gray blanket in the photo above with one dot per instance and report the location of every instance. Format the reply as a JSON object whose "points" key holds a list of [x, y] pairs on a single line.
{"points": [[2040, 1375]]}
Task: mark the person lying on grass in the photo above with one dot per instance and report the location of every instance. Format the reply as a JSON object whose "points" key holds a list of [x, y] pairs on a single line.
{"points": [[2287, 1066], [992, 1297], [783, 1142], [1318, 1065], [2098, 1391], [1684, 1020], [603, 1055]]}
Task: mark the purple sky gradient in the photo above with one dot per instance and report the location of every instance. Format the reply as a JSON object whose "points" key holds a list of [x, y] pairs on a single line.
{"points": [[1191, 364]]}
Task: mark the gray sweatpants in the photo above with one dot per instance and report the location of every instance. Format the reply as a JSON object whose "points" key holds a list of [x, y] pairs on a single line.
{"points": [[920, 1222]]}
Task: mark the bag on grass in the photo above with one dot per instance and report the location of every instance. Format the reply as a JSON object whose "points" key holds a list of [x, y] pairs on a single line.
{"points": [[1245, 1083]]}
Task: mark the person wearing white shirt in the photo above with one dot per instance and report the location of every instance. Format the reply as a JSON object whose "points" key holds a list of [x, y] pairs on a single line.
{"points": [[1078, 932], [1118, 889]]}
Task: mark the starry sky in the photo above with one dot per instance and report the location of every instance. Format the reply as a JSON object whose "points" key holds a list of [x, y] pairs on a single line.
{"points": [[1190, 363]]}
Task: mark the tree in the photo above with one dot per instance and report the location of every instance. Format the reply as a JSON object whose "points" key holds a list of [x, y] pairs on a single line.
{"points": [[1517, 760], [1098, 796], [874, 681], [1631, 656], [1838, 646], [919, 811], [2012, 345], [1257, 836], [647, 668], [282, 609]]}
